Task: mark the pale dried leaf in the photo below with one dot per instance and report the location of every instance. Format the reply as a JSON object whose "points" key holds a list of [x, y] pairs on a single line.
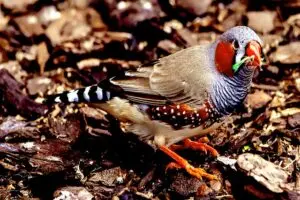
{"points": [[261, 21], [268, 174], [287, 54]]}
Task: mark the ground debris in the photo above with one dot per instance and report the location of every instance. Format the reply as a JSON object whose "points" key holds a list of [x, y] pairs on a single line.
{"points": [[108, 177], [15, 100], [78, 193], [261, 21], [287, 54], [258, 99], [263, 171], [11, 128], [77, 151], [188, 185]]}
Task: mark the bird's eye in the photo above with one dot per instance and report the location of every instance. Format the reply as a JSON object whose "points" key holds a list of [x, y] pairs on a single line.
{"points": [[235, 44]]}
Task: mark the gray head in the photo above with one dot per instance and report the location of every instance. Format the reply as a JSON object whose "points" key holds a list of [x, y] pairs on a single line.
{"points": [[238, 46], [237, 54]]}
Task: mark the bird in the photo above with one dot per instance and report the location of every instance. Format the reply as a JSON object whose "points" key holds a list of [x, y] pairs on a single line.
{"points": [[181, 96]]}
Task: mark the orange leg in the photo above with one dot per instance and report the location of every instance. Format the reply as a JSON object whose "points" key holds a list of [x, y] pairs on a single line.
{"points": [[182, 163], [195, 145]]}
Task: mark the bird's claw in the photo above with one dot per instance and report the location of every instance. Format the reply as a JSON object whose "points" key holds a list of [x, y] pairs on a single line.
{"points": [[199, 173], [196, 172], [183, 163], [195, 145], [173, 165]]}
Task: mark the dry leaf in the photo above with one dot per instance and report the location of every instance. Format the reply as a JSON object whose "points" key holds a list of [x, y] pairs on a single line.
{"points": [[261, 21], [287, 54], [268, 174]]}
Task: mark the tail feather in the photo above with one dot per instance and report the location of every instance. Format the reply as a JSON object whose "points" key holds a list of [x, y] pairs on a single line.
{"points": [[88, 94]]}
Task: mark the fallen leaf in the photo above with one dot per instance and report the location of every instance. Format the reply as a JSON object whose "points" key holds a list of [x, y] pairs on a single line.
{"points": [[290, 111], [42, 56], [187, 185], [29, 25], [193, 6], [261, 21], [72, 192], [38, 85], [267, 173], [17, 5], [258, 99], [287, 54], [107, 177]]}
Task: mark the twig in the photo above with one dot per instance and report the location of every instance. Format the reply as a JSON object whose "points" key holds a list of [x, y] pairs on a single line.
{"points": [[224, 196], [265, 87]]}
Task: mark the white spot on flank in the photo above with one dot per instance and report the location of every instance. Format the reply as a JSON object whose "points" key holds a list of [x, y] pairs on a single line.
{"points": [[57, 100], [73, 96], [122, 5], [108, 95], [143, 107], [86, 93], [120, 180], [164, 107], [99, 93], [28, 145], [147, 5], [104, 69], [172, 111], [178, 106], [157, 108]]}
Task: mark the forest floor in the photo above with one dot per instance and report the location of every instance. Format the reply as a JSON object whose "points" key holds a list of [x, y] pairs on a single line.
{"points": [[79, 152]]}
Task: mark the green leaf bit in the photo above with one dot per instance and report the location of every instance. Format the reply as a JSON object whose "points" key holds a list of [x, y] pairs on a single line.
{"points": [[237, 65]]}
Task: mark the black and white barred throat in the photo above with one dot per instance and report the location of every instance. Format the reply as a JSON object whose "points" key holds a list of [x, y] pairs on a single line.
{"points": [[229, 92]]}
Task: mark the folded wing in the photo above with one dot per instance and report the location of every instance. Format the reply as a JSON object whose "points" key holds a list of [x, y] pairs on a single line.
{"points": [[181, 78]]}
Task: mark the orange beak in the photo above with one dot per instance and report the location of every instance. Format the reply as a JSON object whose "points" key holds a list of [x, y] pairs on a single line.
{"points": [[254, 50]]}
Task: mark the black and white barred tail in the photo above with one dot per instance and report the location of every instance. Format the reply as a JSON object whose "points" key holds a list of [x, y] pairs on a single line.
{"points": [[88, 94]]}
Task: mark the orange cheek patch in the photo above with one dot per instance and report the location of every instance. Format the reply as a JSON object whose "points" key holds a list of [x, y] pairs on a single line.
{"points": [[224, 58]]}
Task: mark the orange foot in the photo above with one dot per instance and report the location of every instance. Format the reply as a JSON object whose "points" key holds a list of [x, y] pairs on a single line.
{"points": [[182, 163], [195, 145]]}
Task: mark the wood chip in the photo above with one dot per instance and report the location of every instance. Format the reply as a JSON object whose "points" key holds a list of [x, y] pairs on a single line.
{"points": [[29, 25], [287, 54], [258, 99], [261, 21], [267, 173], [72, 192], [42, 56], [107, 177]]}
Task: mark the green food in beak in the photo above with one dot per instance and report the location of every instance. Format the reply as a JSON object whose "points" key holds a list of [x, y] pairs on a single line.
{"points": [[237, 65]]}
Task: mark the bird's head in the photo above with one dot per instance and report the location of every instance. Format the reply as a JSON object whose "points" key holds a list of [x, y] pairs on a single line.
{"points": [[237, 48]]}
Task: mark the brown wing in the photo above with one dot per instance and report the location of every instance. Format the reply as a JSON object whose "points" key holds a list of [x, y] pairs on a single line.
{"points": [[182, 78]]}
